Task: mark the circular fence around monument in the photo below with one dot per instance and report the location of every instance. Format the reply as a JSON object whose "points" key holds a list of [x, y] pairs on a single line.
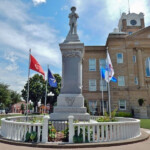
{"points": [[79, 132]]}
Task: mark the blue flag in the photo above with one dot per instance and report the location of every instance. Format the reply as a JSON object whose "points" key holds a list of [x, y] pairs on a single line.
{"points": [[51, 79], [103, 71]]}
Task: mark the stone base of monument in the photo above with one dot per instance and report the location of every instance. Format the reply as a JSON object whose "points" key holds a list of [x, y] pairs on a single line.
{"points": [[72, 38], [70, 104]]}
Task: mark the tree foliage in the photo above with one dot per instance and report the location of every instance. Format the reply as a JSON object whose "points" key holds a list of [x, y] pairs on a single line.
{"points": [[22, 107], [15, 97], [7, 96], [37, 86], [4, 95]]}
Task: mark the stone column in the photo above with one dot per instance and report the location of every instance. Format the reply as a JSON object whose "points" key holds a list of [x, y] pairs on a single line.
{"points": [[140, 68], [45, 129], [72, 55], [71, 129], [71, 101]]}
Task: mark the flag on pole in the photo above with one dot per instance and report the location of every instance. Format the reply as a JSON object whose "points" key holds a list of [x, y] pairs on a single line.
{"points": [[34, 65], [51, 79], [104, 73], [109, 69]]}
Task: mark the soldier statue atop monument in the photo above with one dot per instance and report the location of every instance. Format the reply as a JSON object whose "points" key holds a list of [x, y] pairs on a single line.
{"points": [[73, 21]]}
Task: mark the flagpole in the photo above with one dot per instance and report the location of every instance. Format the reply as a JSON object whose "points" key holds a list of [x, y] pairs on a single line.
{"points": [[102, 91], [46, 89], [109, 91], [28, 84], [109, 100]]}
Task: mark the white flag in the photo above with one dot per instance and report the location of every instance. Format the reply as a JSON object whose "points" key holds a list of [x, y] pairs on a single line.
{"points": [[109, 69]]}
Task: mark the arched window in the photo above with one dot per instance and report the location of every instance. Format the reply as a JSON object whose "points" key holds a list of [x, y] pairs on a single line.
{"points": [[148, 67]]}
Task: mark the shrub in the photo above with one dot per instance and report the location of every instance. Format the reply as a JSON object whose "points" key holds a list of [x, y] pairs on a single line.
{"points": [[141, 101], [79, 138], [106, 117], [31, 137], [52, 132], [123, 114]]}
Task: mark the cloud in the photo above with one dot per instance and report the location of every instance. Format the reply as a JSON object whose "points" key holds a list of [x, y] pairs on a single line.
{"points": [[11, 61], [37, 2], [19, 31], [65, 7], [23, 34], [98, 18], [12, 78]]}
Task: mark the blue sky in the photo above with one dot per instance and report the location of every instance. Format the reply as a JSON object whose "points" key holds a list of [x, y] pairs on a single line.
{"points": [[42, 24]]}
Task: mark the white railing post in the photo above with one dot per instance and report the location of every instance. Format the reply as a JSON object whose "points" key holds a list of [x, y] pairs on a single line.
{"points": [[71, 129], [45, 129]]}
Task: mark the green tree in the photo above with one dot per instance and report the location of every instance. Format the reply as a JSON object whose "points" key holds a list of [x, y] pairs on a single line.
{"points": [[5, 99], [30, 106], [37, 89], [22, 108], [15, 97]]}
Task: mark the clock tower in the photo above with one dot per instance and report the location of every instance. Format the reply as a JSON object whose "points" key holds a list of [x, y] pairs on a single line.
{"points": [[131, 22]]}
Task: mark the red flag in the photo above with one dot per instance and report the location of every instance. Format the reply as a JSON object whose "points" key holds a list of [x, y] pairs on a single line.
{"points": [[34, 65]]}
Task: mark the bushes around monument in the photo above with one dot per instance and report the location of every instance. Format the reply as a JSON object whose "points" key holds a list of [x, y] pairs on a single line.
{"points": [[124, 114], [31, 136]]}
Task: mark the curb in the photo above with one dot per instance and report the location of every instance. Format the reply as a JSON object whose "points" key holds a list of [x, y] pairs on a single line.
{"points": [[144, 136]]}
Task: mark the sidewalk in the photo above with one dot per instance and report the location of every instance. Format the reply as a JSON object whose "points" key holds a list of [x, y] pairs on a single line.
{"points": [[137, 146]]}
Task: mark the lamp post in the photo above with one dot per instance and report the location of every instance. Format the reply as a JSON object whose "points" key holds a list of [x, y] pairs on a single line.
{"points": [[50, 94]]}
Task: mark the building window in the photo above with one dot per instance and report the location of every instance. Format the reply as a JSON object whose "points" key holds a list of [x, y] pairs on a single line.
{"points": [[102, 63], [103, 85], [93, 107], [119, 58], [92, 85], [147, 67], [134, 59], [122, 104], [136, 81], [92, 64], [121, 81]]}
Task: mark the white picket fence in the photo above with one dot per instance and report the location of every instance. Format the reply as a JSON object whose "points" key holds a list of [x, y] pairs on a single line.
{"points": [[11, 129], [98, 132], [124, 128]]}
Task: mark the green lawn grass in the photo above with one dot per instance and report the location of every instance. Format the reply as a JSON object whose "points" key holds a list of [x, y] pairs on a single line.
{"points": [[145, 123]]}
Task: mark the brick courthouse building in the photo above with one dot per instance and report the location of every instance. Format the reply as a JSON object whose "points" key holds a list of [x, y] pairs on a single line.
{"points": [[129, 49]]}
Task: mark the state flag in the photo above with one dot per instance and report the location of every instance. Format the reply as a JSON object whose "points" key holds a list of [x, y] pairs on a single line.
{"points": [[51, 79]]}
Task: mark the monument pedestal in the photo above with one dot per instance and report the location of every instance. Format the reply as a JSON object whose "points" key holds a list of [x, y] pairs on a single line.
{"points": [[71, 101], [70, 104]]}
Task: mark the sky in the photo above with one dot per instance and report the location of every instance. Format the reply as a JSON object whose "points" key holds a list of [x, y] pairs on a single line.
{"points": [[41, 25]]}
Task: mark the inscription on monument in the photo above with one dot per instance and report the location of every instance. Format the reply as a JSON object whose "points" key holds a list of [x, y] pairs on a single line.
{"points": [[70, 100]]}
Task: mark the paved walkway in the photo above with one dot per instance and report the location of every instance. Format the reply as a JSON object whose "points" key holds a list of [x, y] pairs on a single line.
{"points": [[145, 145], [137, 146]]}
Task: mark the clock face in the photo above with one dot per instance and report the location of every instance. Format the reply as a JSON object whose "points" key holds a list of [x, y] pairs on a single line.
{"points": [[133, 22]]}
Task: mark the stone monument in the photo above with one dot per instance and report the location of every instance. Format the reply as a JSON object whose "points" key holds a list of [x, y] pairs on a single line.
{"points": [[71, 101]]}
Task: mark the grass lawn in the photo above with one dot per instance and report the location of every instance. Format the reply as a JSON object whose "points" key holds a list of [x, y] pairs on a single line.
{"points": [[145, 123]]}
